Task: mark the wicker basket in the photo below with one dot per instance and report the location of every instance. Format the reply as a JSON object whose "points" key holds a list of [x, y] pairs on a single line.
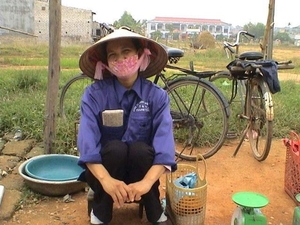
{"points": [[187, 205], [292, 166]]}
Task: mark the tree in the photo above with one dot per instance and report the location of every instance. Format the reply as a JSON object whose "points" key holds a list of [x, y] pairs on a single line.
{"points": [[128, 21], [220, 37], [256, 29], [283, 37], [170, 28], [156, 35]]}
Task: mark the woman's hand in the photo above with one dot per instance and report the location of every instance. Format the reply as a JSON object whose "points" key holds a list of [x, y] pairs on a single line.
{"points": [[138, 189], [142, 187], [117, 189]]}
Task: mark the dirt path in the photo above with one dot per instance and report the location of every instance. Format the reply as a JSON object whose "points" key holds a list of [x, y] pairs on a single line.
{"points": [[225, 176]]}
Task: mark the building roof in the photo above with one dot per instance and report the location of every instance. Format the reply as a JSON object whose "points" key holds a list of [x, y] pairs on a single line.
{"points": [[188, 20]]}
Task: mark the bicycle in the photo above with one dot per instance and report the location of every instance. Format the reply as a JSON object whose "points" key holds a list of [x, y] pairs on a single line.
{"points": [[223, 80], [232, 53], [199, 110], [247, 78]]}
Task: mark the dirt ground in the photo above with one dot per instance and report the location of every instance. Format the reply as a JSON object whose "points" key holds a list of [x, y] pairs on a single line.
{"points": [[225, 176]]}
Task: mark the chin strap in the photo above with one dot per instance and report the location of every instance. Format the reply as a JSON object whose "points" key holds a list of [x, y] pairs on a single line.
{"points": [[145, 59], [100, 67]]}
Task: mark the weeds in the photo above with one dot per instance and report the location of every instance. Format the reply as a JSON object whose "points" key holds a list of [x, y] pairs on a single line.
{"points": [[29, 198]]}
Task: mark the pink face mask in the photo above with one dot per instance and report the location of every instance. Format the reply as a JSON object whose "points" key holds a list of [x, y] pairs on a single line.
{"points": [[125, 68]]}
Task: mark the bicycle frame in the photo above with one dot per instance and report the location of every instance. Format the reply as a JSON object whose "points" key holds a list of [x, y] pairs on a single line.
{"points": [[258, 109]]}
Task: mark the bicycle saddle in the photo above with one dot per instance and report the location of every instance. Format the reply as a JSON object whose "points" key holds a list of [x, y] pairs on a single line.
{"points": [[174, 54], [251, 56]]}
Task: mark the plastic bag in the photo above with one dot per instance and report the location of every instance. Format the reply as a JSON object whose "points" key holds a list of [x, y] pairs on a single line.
{"points": [[187, 181]]}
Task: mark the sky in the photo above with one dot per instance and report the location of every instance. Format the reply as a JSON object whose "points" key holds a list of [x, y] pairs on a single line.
{"points": [[235, 12]]}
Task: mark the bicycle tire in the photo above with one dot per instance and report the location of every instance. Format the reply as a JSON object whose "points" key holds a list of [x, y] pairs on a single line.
{"points": [[261, 113], [197, 128], [224, 82], [70, 97]]}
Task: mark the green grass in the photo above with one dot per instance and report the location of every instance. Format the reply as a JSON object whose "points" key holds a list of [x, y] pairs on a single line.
{"points": [[24, 78]]}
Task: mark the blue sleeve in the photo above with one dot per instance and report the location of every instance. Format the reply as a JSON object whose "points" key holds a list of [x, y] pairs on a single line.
{"points": [[89, 135], [163, 139]]}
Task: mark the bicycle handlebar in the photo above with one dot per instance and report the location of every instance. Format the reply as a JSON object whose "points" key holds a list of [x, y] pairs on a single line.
{"points": [[229, 46], [237, 42], [243, 33]]}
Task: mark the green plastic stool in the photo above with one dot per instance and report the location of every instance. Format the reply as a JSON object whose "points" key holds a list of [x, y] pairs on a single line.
{"points": [[248, 209]]}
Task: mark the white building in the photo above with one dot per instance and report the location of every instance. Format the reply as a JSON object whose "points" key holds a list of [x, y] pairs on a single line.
{"points": [[187, 26]]}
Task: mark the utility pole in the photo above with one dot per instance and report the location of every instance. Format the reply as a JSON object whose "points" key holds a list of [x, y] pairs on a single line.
{"points": [[53, 73], [271, 33], [267, 45]]}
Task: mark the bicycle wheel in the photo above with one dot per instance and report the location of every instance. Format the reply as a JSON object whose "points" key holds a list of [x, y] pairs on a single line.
{"points": [[200, 117], [260, 111], [69, 102], [225, 83]]}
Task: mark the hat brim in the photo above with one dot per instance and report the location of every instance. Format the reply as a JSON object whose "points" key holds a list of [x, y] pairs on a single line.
{"points": [[97, 51]]}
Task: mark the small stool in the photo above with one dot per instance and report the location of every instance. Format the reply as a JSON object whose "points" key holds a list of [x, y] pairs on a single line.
{"points": [[90, 199]]}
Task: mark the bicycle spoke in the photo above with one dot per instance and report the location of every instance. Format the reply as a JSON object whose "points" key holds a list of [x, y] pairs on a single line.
{"points": [[199, 119]]}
